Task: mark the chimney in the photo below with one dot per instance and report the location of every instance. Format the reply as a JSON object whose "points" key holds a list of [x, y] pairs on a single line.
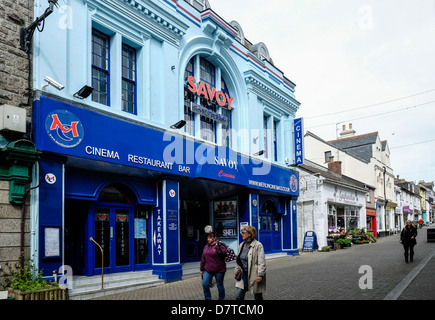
{"points": [[347, 133], [335, 167]]}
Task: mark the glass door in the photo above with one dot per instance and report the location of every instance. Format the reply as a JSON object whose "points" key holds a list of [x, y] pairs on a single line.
{"points": [[270, 232], [102, 236], [112, 231], [122, 237]]}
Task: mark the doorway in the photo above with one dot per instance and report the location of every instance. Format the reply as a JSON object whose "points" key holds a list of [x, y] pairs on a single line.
{"points": [[117, 223], [112, 231], [270, 227], [194, 217]]}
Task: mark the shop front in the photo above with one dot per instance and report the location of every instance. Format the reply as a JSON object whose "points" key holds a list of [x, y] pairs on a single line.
{"points": [[145, 201], [371, 221], [344, 217]]}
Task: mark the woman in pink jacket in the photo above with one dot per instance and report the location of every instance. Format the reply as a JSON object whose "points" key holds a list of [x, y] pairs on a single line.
{"points": [[213, 265]]}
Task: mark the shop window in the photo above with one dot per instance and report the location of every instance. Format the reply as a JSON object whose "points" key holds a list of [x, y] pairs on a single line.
{"points": [[100, 67], [141, 252], [332, 217], [369, 222], [128, 79]]}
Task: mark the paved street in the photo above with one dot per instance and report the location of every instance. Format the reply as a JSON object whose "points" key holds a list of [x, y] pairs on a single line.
{"points": [[327, 276]]}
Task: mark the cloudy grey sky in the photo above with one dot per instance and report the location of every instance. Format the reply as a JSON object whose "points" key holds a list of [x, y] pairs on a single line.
{"points": [[370, 63]]}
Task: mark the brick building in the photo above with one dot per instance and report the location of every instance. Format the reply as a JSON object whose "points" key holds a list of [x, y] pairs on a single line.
{"points": [[17, 152]]}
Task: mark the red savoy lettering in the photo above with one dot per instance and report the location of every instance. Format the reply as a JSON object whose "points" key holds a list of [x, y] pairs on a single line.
{"points": [[203, 89]]}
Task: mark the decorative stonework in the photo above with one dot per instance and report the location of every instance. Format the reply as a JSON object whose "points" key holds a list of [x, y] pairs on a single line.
{"points": [[155, 16], [274, 96]]}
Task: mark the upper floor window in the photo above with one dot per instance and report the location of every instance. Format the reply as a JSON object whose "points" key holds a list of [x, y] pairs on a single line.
{"points": [[275, 141], [208, 125], [271, 137], [265, 136], [207, 102], [100, 67], [328, 156], [226, 126], [128, 79], [189, 99]]}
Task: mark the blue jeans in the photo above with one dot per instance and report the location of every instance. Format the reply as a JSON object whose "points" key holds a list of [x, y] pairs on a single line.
{"points": [[219, 276]]}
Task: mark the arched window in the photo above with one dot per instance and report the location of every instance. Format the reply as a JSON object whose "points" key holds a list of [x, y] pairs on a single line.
{"points": [[261, 51], [189, 99], [203, 112], [208, 124], [115, 194], [226, 126], [268, 207]]}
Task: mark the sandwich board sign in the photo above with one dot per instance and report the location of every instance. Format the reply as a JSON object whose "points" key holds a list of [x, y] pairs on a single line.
{"points": [[310, 241]]}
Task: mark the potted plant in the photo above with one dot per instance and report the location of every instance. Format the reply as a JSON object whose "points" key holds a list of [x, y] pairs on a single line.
{"points": [[25, 283], [341, 243], [344, 242]]}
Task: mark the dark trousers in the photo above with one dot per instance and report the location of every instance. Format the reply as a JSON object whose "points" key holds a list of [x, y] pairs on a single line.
{"points": [[409, 249], [240, 293]]}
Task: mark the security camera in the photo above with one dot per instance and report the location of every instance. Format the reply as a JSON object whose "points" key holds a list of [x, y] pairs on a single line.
{"points": [[53, 82]]}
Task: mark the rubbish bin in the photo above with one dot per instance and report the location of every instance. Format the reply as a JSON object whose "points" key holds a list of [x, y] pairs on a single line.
{"points": [[430, 234]]}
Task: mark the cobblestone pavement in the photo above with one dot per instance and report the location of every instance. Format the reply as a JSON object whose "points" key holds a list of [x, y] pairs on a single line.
{"points": [[326, 276]]}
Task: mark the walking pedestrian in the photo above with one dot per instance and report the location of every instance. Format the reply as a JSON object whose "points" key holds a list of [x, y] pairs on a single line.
{"points": [[407, 238], [251, 266], [213, 265], [203, 239], [420, 222]]}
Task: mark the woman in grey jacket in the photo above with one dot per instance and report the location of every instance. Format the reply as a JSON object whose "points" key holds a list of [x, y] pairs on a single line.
{"points": [[251, 262]]}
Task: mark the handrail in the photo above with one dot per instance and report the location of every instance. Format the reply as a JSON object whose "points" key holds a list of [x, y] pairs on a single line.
{"points": [[102, 262]]}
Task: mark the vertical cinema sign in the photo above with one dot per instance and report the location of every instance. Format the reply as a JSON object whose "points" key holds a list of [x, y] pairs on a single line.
{"points": [[298, 133]]}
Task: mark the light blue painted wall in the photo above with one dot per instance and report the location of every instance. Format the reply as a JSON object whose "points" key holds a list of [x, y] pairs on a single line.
{"points": [[165, 33]]}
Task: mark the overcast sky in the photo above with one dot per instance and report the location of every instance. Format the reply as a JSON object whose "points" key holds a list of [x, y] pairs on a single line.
{"points": [[370, 63]]}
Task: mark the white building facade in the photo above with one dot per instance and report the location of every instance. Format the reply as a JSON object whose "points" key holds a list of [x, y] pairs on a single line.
{"points": [[364, 158], [328, 201]]}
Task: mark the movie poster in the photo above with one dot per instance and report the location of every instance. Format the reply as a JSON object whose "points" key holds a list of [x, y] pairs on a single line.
{"points": [[225, 219]]}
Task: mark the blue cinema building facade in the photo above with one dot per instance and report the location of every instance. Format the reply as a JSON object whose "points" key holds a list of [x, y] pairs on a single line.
{"points": [[188, 124]]}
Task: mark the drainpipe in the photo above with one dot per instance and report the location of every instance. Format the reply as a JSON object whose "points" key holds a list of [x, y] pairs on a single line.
{"points": [[23, 220], [386, 201]]}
